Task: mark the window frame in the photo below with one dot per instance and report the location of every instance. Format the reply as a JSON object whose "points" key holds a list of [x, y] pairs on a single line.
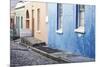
{"points": [[59, 18], [80, 19]]}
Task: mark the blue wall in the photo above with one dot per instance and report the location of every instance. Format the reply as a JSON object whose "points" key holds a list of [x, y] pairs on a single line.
{"points": [[69, 40]]}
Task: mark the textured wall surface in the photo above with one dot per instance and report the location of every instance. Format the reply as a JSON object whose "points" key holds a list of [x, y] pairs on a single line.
{"points": [[69, 40], [23, 31], [42, 34]]}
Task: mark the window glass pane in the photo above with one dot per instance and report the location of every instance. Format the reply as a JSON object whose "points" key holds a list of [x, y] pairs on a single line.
{"points": [[82, 7], [27, 19], [27, 23], [60, 13], [81, 15], [18, 21], [27, 14], [21, 22]]}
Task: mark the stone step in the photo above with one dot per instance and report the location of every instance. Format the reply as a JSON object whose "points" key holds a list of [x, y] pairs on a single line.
{"points": [[31, 41]]}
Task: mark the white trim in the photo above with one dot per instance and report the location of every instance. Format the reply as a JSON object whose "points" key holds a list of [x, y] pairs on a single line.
{"points": [[59, 31], [46, 19], [80, 30], [20, 4]]}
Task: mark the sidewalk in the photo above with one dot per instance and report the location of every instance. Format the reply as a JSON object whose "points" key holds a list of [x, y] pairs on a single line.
{"points": [[55, 54]]}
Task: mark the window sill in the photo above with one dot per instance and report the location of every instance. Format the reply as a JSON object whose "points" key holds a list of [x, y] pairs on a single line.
{"points": [[38, 31], [59, 31], [80, 30]]}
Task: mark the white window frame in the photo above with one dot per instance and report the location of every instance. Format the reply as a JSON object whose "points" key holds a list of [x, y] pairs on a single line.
{"points": [[60, 18], [81, 20]]}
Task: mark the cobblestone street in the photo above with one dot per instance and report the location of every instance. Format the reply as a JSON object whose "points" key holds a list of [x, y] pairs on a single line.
{"points": [[22, 56]]}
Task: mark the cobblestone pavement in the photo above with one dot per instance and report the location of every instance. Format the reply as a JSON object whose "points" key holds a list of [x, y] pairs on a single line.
{"points": [[22, 56]]}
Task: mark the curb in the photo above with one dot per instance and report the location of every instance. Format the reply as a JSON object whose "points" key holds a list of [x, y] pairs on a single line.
{"points": [[47, 54]]}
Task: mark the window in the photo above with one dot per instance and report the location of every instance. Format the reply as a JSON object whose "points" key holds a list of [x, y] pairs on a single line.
{"points": [[59, 17], [80, 9], [16, 21], [38, 19], [17, 25], [27, 23], [27, 14], [21, 21], [27, 19], [81, 15]]}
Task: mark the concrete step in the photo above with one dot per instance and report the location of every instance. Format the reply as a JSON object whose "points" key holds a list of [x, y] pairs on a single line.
{"points": [[31, 41]]}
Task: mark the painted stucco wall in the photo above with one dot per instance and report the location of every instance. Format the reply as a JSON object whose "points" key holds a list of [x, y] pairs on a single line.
{"points": [[23, 31], [69, 40], [42, 34]]}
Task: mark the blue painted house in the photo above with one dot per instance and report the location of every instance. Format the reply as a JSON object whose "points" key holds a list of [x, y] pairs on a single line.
{"points": [[71, 27]]}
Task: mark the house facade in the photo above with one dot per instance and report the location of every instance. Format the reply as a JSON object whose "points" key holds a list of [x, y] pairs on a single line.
{"points": [[20, 18], [71, 28], [68, 27], [39, 21], [31, 20]]}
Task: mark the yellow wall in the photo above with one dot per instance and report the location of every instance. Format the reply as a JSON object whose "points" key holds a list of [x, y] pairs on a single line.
{"points": [[42, 34]]}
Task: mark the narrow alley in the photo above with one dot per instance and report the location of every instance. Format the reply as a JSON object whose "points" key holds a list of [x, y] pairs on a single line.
{"points": [[21, 56]]}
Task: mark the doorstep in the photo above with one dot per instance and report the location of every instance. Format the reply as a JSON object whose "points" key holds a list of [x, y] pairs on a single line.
{"points": [[31, 41]]}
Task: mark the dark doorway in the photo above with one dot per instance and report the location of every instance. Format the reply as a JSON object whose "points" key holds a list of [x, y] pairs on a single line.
{"points": [[33, 23]]}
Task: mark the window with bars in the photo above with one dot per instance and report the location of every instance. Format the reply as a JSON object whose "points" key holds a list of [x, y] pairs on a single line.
{"points": [[80, 17], [59, 17]]}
